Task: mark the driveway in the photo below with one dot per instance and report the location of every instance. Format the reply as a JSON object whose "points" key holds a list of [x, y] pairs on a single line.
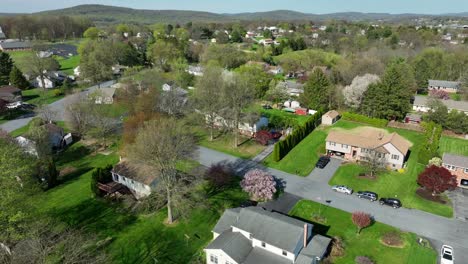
{"points": [[459, 199], [324, 175], [438, 229], [57, 106], [283, 204]]}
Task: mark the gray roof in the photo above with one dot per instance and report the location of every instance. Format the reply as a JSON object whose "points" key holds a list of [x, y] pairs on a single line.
{"points": [[15, 45], [451, 104], [455, 160], [317, 247], [260, 256], [234, 244], [227, 220], [273, 228], [447, 84]]}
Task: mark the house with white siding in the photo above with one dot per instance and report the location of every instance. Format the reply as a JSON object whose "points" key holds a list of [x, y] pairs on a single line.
{"points": [[421, 104], [447, 86], [253, 235], [357, 144], [139, 183]]}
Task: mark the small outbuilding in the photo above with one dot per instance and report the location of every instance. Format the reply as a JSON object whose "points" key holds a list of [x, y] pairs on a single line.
{"points": [[330, 117], [413, 118]]}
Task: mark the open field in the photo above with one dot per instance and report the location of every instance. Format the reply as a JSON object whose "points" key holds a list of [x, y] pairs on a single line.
{"points": [[338, 223]]}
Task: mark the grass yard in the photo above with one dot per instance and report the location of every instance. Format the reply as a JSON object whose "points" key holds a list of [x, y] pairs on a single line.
{"points": [[338, 223], [149, 238], [22, 130], [224, 142], [301, 159], [68, 64], [39, 96], [453, 145], [20, 58]]}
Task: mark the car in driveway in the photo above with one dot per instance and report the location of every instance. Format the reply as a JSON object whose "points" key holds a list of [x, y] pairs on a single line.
{"points": [[342, 189], [371, 196], [446, 255], [322, 162], [395, 203]]}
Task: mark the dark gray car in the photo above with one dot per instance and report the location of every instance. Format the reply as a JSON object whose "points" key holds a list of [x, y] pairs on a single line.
{"points": [[372, 196]]}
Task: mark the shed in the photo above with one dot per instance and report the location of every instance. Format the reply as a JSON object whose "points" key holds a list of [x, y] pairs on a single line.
{"points": [[330, 117], [413, 119]]}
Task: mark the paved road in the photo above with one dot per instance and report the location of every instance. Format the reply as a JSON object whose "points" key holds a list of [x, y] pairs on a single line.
{"points": [[439, 229], [57, 106]]}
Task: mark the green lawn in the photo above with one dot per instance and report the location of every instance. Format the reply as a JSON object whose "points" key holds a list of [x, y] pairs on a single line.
{"points": [[301, 159], [68, 64], [20, 58], [453, 145], [39, 96], [149, 238], [224, 142], [22, 130], [338, 223]]}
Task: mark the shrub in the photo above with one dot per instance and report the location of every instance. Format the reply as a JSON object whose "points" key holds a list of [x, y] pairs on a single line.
{"points": [[392, 239], [58, 92], [363, 260], [361, 220], [100, 175], [259, 184], [437, 179], [338, 248], [219, 176], [364, 119]]}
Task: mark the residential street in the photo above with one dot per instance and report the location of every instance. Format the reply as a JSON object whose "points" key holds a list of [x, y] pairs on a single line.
{"points": [[57, 106], [439, 229]]}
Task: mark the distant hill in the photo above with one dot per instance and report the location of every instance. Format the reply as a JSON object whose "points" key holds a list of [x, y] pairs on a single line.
{"points": [[101, 14]]}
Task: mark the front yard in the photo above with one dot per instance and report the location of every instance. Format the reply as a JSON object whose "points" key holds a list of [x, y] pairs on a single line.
{"points": [[368, 243], [38, 96]]}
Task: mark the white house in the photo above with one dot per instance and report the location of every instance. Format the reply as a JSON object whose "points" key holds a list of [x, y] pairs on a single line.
{"points": [[357, 144], [421, 104], [195, 70], [51, 80], [253, 235], [139, 183], [245, 128], [104, 95], [77, 71]]}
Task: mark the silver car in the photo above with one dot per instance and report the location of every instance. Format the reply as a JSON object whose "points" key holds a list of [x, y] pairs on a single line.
{"points": [[342, 189]]}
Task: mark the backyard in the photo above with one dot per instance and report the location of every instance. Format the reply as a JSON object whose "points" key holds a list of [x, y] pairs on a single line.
{"points": [[453, 145], [334, 222]]}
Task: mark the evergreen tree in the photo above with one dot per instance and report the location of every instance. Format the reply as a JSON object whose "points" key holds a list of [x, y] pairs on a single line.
{"points": [[236, 36], [17, 79], [6, 65], [316, 91]]}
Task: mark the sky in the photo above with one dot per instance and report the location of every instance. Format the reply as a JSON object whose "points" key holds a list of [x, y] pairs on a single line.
{"points": [[239, 6]]}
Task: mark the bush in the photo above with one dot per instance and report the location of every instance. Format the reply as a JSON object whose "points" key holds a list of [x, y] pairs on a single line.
{"points": [[58, 92], [363, 260], [219, 176], [100, 175], [392, 239], [338, 248], [364, 119]]}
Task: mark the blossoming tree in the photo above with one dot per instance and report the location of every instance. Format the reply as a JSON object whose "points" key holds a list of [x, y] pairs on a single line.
{"points": [[260, 185]]}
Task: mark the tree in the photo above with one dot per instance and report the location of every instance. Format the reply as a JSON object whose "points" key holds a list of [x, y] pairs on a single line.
{"points": [[236, 36], [219, 176], [122, 28], [100, 175], [228, 56], [91, 33], [354, 92], [437, 179], [208, 96], [267, 34], [361, 220], [6, 65], [374, 162], [316, 91], [47, 172], [40, 136], [163, 54], [41, 66], [159, 146], [96, 60], [257, 77], [259, 184], [276, 93], [17, 79], [438, 113]]}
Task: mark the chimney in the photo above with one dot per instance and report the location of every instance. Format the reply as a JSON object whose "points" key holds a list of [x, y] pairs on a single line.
{"points": [[305, 235]]}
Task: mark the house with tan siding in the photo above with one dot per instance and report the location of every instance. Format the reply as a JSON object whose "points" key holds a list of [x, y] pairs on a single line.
{"points": [[357, 144], [458, 166]]}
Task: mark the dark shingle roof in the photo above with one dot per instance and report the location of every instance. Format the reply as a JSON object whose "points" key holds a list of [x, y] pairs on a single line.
{"points": [[227, 220], [455, 160], [234, 244], [15, 45], [451, 104], [262, 256], [317, 247], [447, 84]]}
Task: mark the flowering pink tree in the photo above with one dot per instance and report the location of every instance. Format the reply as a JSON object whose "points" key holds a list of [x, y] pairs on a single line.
{"points": [[439, 94], [259, 184]]}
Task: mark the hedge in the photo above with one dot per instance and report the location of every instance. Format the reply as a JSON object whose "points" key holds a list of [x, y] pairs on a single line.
{"points": [[364, 119], [430, 147], [282, 148]]}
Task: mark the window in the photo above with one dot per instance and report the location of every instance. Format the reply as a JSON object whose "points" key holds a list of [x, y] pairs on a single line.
{"points": [[395, 157], [285, 253], [214, 259], [466, 170], [332, 144], [344, 146], [263, 244]]}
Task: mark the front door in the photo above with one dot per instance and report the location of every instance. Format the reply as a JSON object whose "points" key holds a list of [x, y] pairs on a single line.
{"points": [[354, 153]]}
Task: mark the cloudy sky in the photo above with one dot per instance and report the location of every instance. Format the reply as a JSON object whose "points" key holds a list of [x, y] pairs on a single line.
{"points": [[237, 6]]}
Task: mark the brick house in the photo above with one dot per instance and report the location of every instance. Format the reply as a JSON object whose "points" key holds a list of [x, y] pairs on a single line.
{"points": [[458, 166]]}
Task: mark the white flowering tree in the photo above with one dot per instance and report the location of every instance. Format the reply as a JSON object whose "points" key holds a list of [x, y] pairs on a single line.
{"points": [[354, 92], [260, 185]]}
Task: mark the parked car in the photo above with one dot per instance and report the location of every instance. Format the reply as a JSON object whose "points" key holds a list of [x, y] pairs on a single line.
{"points": [[446, 255], [322, 162], [395, 203], [342, 189], [372, 196]]}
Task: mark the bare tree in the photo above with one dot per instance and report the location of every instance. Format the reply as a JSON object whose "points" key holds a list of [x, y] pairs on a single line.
{"points": [[78, 113], [40, 66], [374, 162], [47, 113], [158, 147]]}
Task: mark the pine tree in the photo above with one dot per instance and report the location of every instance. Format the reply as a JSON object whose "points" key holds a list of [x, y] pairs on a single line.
{"points": [[316, 91], [17, 79], [6, 64]]}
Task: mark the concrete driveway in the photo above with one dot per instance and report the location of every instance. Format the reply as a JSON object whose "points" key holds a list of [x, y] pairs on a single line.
{"points": [[283, 204], [459, 199], [324, 175]]}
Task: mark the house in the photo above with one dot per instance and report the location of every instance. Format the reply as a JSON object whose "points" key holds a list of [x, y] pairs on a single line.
{"points": [[10, 94], [413, 118], [15, 45], [245, 128], [447, 86], [266, 42], [292, 88], [135, 179], [253, 235], [51, 80], [45, 54], [195, 70], [458, 166], [357, 144], [2, 35], [420, 104], [56, 135], [330, 117], [77, 71], [104, 95], [275, 70]]}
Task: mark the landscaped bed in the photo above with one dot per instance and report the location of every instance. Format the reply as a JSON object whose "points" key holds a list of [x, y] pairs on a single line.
{"points": [[370, 242]]}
